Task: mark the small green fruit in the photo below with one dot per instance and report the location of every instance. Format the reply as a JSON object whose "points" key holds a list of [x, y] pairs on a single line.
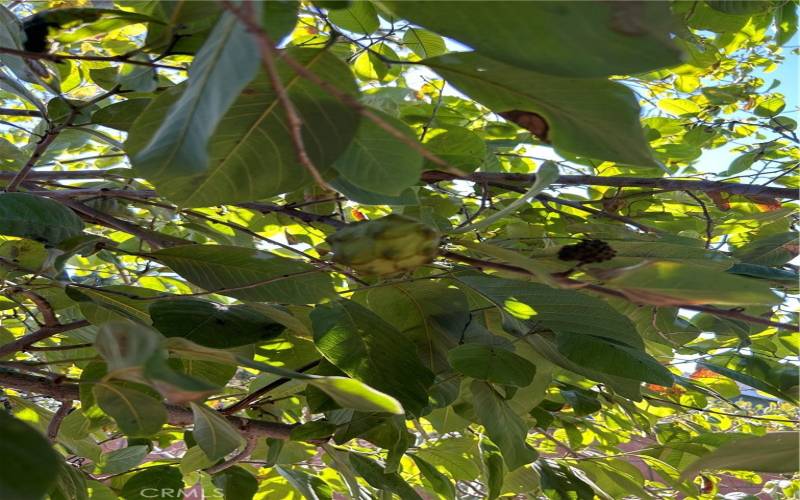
{"points": [[390, 245]]}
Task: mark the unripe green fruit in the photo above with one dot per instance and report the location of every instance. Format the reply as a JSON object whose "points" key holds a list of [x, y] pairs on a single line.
{"points": [[390, 245]]}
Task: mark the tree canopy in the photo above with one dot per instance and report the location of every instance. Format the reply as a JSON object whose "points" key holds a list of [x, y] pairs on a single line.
{"points": [[375, 249]]}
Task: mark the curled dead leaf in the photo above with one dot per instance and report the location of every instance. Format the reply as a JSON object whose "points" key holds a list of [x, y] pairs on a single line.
{"points": [[531, 122]]}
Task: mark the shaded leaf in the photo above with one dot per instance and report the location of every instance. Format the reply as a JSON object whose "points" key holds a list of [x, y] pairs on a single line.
{"points": [[256, 275], [37, 218]]}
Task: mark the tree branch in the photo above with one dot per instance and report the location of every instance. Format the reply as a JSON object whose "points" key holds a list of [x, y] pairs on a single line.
{"points": [[21, 112], [177, 415], [42, 333], [666, 184], [570, 283], [62, 57], [55, 422]]}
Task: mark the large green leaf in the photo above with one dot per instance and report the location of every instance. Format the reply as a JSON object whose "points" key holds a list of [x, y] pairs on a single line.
{"points": [[124, 344], [359, 17], [559, 38], [214, 435], [673, 283], [367, 348], [775, 452], [612, 358], [235, 483], [502, 425], [750, 380], [251, 154], [211, 324], [138, 414], [112, 303], [587, 117], [162, 479], [424, 43], [30, 462], [255, 275], [310, 486], [356, 395], [377, 477], [432, 314], [219, 72], [36, 218], [377, 161], [440, 483], [493, 364], [556, 309]]}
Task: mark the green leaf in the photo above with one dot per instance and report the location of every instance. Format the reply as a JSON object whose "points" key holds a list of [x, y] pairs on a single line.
{"points": [[126, 345], [219, 72], [587, 117], [250, 274], [36, 218], [243, 165], [612, 358], [176, 386], [749, 380], [367, 348], [364, 197], [460, 147], [120, 115], [573, 39], [775, 452], [31, 464], [213, 433], [359, 17], [673, 283], [424, 43], [555, 309], [138, 414], [211, 324], [771, 250], [113, 303], [502, 425], [376, 476], [310, 486], [493, 468], [440, 483], [118, 461], [161, 479], [70, 484], [378, 162], [236, 483], [679, 107], [740, 164], [432, 314], [493, 364], [371, 64], [353, 394]]}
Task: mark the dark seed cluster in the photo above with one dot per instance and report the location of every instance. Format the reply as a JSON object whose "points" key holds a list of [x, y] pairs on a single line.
{"points": [[587, 251]]}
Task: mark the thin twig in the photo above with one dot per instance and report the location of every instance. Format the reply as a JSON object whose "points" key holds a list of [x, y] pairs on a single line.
{"points": [[44, 307], [709, 220], [42, 333], [268, 52], [245, 401], [736, 415], [62, 57], [55, 422]]}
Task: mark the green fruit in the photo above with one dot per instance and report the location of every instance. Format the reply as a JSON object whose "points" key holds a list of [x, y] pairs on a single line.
{"points": [[390, 245]]}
